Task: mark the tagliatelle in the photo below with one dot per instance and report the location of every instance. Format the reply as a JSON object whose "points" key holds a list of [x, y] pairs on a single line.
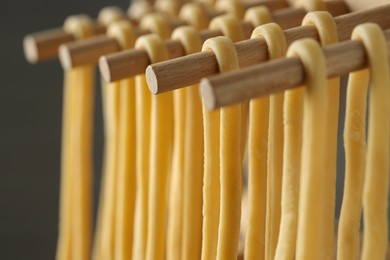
{"points": [[142, 118], [313, 173], [190, 120], [257, 184], [125, 192], [214, 238], [327, 31], [76, 165], [230, 158], [160, 154], [376, 179]]}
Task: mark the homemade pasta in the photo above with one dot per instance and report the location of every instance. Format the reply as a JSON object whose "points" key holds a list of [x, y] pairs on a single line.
{"points": [[376, 179], [75, 203], [256, 177], [125, 198], [160, 155], [313, 174], [230, 158], [192, 152]]}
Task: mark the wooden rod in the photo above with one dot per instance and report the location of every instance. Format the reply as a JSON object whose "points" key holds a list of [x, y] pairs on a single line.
{"points": [[278, 75], [44, 45], [188, 70], [89, 51], [120, 65]]}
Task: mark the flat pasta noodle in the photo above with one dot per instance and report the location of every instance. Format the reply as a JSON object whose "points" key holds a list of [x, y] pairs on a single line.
{"points": [[104, 242], [230, 26], [274, 37], [151, 202], [191, 132], [105, 239], [311, 223], [212, 192], [327, 30], [125, 191], [76, 170], [142, 118], [230, 158], [376, 179], [160, 155], [293, 116], [355, 157], [274, 173]]}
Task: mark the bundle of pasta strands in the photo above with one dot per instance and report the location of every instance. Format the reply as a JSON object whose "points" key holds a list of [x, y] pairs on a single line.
{"points": [[293, 117], [225, 134], [185, 212], [114, 236], [75, 204], [230, 160], [161, 145]]}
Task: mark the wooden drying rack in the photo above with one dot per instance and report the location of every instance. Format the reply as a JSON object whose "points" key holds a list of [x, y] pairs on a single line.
{"points": [[89, 51], [278, 75], [120, 65], [192, 68], [42, 46]]}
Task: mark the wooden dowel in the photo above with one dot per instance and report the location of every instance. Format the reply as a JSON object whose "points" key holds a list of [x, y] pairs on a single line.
{"points": [[188, 70], [120, 65], [274, 76], [133, 62], [44, 45], [88, 51]]}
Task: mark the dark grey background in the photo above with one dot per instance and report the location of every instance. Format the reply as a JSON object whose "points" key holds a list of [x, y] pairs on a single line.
{"points": [[30, 128]]}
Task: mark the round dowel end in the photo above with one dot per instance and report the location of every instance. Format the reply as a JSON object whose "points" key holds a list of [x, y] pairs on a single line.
{"points": [[104, 69], [208, 95], [30, 49], [65, 57], [151, 79]]}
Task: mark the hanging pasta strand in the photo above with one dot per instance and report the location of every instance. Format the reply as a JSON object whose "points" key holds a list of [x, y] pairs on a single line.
{"points": [[142, 118], [376, 185], [257, 169], [125, 192], [230, 195], [75, 203], [274, 37], [104, 234], [185, 212], [160, 154], [355, 157], [327, 31], [145, 233], [311, 195], [274, 173], [105, 241], [292, 138], [293, 115], [230, 175], [211, 183], [188, 101]]}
